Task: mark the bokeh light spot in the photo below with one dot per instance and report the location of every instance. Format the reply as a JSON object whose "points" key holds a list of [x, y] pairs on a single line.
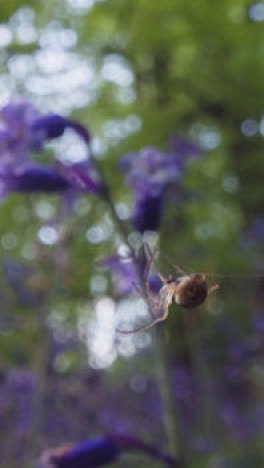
{"points": [[48, 235], [256, 12]]}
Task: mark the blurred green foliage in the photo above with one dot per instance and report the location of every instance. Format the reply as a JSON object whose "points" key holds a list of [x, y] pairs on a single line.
{"points": [[159, 69], [171, 68]]}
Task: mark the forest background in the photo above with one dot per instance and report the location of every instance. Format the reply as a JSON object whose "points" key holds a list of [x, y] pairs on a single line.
{"points": [[172, 76]]}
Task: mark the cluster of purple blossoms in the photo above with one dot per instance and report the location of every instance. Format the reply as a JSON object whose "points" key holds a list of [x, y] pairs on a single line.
{"points": [[23, 131], [149, 174]]}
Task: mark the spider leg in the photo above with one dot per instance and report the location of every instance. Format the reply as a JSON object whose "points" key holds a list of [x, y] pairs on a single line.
{"points": [[151, 303], [151, 258], [177, 268], [161, 277], [213, 288], [160, 318], [148, 252], [139, 290], [151, 255]]}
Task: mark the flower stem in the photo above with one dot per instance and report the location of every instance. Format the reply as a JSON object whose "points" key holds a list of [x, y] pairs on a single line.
{"points": [[106, 196], [169, 409]]}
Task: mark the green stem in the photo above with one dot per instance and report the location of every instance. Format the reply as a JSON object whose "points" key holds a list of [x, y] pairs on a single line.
{"points": [[169, 409], [121, 226]]}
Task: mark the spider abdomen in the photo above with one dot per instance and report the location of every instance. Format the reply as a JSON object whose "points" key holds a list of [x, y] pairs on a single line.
{"points": [[191, 291]]}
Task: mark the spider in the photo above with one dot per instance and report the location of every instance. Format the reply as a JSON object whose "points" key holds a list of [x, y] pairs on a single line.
{"points": [[188, 291]]}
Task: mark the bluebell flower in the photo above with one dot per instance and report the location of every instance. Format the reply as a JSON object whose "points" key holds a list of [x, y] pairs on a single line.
{"points": [[149, 174], [32, 178], [23, 130], [17, 137], [95, 452], [125, 275], [50, 125], [54, 125], [147, 212], [102, 451], [155, 283], [149, 170]]}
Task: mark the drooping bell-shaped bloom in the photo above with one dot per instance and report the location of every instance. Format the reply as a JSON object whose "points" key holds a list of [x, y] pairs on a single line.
{"points": [[149, 173], [52, 126], [33, 178], [91, 453], [102, 451], [24, 130], [147, 212]]}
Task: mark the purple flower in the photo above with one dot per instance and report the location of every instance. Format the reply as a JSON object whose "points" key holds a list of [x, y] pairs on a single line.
{"points": [[155, 283], [83, 177], [20, 380], [96, 452], [22, 130], [57, 179], [17, 137], [258, 323], [148, 212], [149, 174], [255, 233], [102, 451], [257, 228], [54, 125], [149, 171], [33, 178], [50, 125], [183, 149], [252, 240], [125, 274]]}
